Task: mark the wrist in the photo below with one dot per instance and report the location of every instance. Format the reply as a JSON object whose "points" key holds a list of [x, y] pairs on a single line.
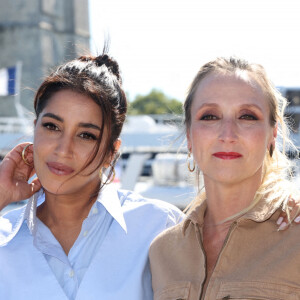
{"points": [[4, 201]]}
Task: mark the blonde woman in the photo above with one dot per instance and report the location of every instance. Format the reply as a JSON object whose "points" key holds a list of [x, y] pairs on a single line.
{"points": [[229, 246]]}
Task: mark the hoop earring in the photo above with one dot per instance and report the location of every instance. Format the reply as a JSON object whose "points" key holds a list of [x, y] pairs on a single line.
{"points": [[24, 153], [271, 150], [188, 163], [113, 175], [100, 174]]}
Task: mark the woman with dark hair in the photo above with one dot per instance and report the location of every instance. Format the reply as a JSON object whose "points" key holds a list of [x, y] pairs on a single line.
{"points": [[77, 237]]}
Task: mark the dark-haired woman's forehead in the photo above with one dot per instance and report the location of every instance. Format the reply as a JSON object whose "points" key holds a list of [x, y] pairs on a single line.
{"points": [[71, 107]]}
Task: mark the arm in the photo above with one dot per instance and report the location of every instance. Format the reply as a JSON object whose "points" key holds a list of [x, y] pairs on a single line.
{"points": [[14, 176]]}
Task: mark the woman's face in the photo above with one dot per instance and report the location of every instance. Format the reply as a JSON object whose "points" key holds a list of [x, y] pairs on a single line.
{"points": [[230, 129], [65, 137]]}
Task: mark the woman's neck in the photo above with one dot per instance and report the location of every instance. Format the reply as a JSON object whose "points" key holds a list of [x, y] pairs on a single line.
{"points": [[65, 210], [64, 214], [226, 200]]}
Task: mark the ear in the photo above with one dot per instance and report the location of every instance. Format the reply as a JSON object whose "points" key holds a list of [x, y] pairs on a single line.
{"points": [[275, 131], [117, 145], [273, 136]]}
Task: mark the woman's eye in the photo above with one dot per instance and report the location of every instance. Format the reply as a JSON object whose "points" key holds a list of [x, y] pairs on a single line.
{"points": [[50, 126], [88, 136], [248, 117], [208, 117]]}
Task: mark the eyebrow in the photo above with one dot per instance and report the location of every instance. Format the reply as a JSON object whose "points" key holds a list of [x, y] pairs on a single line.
{"points": [[208, 105], [89, 125], [251, 106], [84, 125], [53, 116], [242, 106]]}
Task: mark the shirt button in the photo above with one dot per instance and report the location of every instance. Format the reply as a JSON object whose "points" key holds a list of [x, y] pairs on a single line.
{"points": [[71, 273], [85, 233], [95, 210]]}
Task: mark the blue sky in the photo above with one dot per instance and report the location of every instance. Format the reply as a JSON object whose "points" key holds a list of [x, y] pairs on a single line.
{"points": [[162, 43]]}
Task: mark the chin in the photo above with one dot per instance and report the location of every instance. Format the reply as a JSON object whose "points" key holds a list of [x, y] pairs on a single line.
{"points": [[226, 178], [57, 189]]}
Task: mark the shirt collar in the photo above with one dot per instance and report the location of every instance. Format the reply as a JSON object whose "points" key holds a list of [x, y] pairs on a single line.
{"points": [[260, 212], [30, 211], [196, 216], [12, 221], [109, 198]]}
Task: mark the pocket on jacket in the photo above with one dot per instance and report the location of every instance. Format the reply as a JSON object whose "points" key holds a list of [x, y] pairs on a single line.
{"points": [[174, 291], [257, 291]]}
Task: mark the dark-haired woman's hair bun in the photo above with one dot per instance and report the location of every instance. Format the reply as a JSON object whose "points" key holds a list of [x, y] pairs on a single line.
{"points": [[110, 63], [106, 60]]}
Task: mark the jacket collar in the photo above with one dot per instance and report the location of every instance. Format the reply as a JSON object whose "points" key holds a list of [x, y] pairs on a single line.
{"points": [[11, 222], [260, 212]]}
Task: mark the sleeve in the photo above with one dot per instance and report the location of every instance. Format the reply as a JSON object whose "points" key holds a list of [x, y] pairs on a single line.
{"points": [[175, 216]]}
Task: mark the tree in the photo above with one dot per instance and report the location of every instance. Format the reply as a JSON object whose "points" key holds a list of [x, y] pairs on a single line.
{"points": [[156, 102]]}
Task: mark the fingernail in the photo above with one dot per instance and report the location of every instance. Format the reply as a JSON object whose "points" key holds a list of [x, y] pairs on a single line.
{"points": [[297, 220], [282, 226], [279, 221]]}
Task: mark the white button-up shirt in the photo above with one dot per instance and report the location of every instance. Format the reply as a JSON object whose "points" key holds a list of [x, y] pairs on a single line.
{"points": [[109, 259]]}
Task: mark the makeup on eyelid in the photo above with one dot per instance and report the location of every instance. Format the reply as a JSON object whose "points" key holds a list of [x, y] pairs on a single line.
{"points": [[229, 128], [64, 143]]}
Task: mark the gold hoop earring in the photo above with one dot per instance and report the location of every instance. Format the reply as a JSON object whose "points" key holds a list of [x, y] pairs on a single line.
{"points": [[271, 150], [188, 163], [100, 174], [24, 153], [113, 175]]}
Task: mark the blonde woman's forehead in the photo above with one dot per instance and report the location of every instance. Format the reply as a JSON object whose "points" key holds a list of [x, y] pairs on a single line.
{"points": [[215, 83]]}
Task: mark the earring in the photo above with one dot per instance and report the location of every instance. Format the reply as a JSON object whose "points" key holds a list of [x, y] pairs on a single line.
{"points": [[24, 153], [271, 150], [188, 163], [113, 174], [100, 174]]}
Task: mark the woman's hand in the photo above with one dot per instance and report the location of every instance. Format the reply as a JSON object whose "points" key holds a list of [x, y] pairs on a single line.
{"points": [[14, 176], [294, 207]]}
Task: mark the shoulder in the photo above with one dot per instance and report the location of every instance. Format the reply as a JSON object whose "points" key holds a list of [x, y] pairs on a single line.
{"points": [[11, 217], [133, 202], [168, 239], [167, 252], [10, 223], [175, 242]]}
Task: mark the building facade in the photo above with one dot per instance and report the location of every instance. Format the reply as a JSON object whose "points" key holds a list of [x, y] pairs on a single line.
{"points": [[38, 35]]}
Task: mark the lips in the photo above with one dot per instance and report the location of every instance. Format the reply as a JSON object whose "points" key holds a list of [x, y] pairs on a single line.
{"points": [[227, 155], [59, 169]]}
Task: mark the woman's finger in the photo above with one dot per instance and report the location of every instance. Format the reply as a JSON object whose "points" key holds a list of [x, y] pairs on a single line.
{"points": [[294, 215]]}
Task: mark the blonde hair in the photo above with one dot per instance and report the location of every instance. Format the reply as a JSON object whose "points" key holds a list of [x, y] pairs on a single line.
{"points": [[276, 186]]}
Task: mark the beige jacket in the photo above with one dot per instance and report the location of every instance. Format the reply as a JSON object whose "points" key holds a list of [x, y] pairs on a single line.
{"points": [[256, 262]]}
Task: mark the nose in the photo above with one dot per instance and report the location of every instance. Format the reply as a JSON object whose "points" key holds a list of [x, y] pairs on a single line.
{"points": [[228, 131], [64, 146]]}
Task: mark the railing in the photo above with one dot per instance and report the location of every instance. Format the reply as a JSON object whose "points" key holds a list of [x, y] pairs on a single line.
{"points": [[15, 125]]}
